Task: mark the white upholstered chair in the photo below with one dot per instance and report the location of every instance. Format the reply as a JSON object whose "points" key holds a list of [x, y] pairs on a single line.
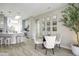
{"points": [[49, 43], [58, 39], [37, 41]]}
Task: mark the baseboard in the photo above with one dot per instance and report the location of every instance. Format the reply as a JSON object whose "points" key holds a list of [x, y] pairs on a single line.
{"points": [[65, 47]]}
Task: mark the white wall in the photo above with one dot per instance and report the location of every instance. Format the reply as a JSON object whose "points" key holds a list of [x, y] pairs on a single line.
{"points": [[33, 28]]}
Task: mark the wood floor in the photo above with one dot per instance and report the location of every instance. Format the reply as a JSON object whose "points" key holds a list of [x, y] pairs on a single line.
{"points": [[27, 49]]}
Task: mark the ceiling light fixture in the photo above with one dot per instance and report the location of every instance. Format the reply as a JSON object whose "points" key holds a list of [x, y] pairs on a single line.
{"points": [[17, 17]]}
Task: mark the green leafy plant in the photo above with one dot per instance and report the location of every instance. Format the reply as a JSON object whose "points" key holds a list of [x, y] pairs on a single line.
{"points": [[71, 18]]}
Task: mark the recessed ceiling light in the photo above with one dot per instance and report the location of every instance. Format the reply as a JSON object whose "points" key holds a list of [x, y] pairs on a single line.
{"points": [[17, 17]]}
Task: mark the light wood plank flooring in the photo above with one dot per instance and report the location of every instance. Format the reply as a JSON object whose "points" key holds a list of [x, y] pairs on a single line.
{"points": [[27, 49]]}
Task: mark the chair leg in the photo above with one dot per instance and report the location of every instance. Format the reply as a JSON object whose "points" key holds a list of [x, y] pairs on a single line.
{"points": [[59, 46], [46, 52], [43, 46], [53, 51], [35, 46]]}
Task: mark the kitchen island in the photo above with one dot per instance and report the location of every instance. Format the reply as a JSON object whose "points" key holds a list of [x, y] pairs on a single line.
{"points": [[12, 38]]}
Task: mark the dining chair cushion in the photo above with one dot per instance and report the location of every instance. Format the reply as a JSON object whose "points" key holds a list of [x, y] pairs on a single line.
{"points": [[50, 42]]}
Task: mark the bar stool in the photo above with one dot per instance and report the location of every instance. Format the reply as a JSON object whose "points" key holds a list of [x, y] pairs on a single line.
{"points": [[8, 41], [1, 41], [19, 37], [19, 40]]}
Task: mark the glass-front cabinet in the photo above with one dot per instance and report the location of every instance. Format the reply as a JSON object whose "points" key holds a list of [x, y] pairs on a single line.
{"points": [[3, 23], [46, 25], [49, 25]]}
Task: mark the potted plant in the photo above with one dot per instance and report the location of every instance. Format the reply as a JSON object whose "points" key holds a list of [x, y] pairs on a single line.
{"points": [[70, 18]]}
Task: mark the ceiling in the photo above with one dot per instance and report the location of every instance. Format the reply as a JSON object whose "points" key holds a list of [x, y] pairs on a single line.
{"points": [[26, 10]]}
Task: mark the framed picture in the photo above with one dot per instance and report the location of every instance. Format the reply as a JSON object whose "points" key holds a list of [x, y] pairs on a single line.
{"points": [[54, 22], [43, 29], [54, 28], [48, 23], [48, 34], [48, 28]]}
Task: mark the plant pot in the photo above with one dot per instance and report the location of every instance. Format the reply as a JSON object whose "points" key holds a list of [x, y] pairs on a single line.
{"points": [[75, 49]]}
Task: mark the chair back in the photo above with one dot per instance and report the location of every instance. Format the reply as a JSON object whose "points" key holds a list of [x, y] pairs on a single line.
{"points": [[58, 38], [50, 41], [34, 38]]}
